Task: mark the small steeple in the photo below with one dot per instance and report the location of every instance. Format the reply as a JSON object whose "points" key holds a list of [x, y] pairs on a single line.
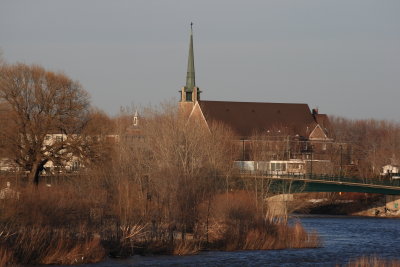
{"points": [[190, 93], [135, 121], [190, 76]]}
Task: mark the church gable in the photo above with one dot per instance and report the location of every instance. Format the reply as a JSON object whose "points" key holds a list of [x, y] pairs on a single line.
{"points": [[323, 121], [318, 133], [198, 116]]}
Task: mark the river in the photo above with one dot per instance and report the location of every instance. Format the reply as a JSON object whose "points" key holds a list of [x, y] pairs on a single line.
{"points": [[343, 237]]}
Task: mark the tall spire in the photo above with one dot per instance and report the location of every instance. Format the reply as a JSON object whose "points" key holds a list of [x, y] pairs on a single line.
{"points": [[190, 93], [190, 77]]}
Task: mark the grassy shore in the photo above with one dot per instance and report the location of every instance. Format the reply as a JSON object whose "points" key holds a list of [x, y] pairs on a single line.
{"points": [[74, 223]]}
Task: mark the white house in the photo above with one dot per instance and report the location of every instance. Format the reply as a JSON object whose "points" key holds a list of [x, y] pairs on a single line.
{"points": [[390, 169]]}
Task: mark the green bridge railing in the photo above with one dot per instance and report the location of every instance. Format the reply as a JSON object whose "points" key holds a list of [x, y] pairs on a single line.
{"points": [[358, 180]]}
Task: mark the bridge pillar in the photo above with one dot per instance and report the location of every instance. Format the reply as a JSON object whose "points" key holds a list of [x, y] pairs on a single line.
{"points": [[277, 205]]}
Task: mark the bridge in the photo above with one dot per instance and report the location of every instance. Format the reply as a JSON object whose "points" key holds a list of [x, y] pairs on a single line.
{"points": [[296, 183]]}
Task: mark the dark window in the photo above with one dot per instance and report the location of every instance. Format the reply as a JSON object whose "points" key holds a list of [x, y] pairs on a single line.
{"points": [[188, 96], [75, 165], [278, 166]]}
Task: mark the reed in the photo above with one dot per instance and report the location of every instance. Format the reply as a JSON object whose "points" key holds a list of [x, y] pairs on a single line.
{"points": [[186, 247], [64, 252], [43, 245], [373, 261], [235, 224], [6, 258], [273, 236]]}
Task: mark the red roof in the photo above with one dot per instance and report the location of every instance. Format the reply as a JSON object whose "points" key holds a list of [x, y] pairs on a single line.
{"points": [[247, 118]]}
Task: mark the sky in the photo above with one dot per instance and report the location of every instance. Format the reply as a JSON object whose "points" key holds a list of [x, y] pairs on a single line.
{"points": [[340, 56]]}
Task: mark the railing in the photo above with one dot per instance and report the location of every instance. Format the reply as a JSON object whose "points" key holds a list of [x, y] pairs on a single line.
{"points": [[301, 176]]}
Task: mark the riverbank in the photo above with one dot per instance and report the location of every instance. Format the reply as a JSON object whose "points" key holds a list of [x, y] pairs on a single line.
{"points": [[345, 239], [377, 209], [358, 205], [74, 224], [44, 245], [65, 247]]}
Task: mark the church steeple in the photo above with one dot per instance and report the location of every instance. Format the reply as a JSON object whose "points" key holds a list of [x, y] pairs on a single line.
{"points": [[190, 93], [190, 76]]}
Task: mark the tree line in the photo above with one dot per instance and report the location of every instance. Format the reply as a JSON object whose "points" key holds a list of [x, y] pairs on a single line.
{"points": [[374, 143]]}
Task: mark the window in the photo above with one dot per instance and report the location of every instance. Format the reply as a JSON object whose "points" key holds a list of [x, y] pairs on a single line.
{"points": [[273, 166], [188, 96], [283, 166], [75, 165], [277, 166]]}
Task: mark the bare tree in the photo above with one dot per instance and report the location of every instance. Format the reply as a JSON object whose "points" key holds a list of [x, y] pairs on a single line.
{"points": [[373, 143], [177, 165], [97, 139], [40, 103], [2, 60]]}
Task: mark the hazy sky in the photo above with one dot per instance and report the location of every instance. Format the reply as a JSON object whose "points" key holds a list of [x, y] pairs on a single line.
{"points": [[342, 56]]}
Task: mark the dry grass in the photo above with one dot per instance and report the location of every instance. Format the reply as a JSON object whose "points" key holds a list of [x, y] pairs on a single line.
{"points": [[235, 224], [51, 225], [60, 205], [186, 247], [284, 236], [89, 251], [5, 257], [133, 233], [373, 261], [273, 236], [36, 245], [81, 222]]}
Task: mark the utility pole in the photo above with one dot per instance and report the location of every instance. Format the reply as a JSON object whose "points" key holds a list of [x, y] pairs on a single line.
{"points": [[341, 160], [311, 171], [243, 149]]}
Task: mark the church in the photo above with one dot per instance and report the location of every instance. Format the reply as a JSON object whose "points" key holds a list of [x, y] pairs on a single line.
{"points": [[302, 136], [248, 118]]}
